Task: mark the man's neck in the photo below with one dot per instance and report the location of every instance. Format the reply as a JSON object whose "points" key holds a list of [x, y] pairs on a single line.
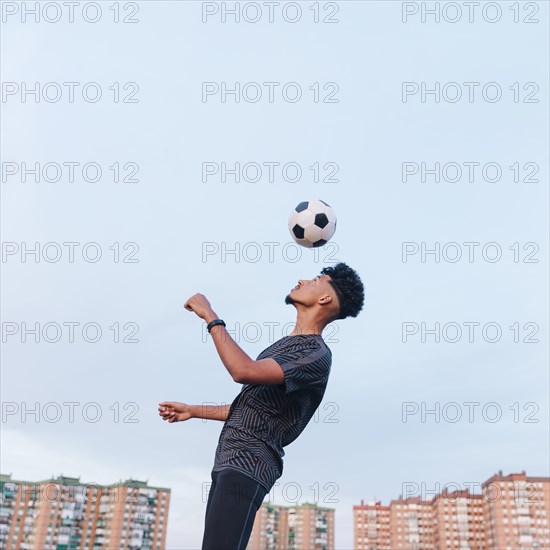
{"points": [[307, 326]]}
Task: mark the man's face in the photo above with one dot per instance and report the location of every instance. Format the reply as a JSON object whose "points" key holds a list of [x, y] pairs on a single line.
{"points": [[308, 291]]}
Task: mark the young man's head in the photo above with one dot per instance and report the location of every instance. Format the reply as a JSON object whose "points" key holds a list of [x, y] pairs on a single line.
{"points": [[336, 293]]}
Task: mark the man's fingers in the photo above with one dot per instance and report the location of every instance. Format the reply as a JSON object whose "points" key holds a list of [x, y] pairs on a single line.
{"points": [[167, 412]]}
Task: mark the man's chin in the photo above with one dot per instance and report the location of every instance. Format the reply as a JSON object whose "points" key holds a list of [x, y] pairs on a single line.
{"points": [[289, 300]]}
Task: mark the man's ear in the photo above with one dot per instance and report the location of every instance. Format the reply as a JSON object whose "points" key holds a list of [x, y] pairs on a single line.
{"points": [[326, 299]]}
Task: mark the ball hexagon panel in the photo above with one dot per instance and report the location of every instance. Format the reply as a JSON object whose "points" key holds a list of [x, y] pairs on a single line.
{"points": [[317, 206], [304, 218], [313, 233]]}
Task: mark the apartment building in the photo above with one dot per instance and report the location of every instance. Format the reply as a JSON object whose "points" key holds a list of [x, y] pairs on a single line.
{"points": [[371, 524], [458, 520], [64, 513], [411, 524], [512, 513], [517, 511], [301, 527]]}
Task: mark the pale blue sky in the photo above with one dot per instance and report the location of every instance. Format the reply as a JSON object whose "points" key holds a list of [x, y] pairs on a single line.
{"points": [[370, 452]]}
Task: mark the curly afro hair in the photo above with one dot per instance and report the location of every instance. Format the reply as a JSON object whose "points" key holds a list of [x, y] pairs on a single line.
{"points": [[348, 288]]}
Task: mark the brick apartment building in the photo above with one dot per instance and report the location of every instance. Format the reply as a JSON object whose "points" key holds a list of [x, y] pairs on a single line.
{"points": [[64, 513], [512, 513], [303, 527]]}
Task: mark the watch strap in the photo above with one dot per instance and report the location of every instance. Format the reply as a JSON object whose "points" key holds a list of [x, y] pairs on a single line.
{"points": [[213, 323]]}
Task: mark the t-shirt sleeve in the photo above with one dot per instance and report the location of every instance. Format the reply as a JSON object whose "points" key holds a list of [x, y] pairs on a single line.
{"points": [[304, 368]]}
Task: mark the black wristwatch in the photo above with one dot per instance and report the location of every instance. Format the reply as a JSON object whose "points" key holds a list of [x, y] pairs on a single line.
{"points": [[213, 323]]}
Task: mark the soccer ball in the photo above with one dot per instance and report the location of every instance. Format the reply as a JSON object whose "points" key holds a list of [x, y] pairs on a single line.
{"points": [[312, 223]]}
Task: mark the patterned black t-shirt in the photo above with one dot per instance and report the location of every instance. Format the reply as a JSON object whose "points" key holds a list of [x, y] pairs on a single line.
{"points": [[264, 418]]}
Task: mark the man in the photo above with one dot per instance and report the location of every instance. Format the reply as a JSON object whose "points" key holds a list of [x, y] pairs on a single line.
{"points": [[281, 391]]}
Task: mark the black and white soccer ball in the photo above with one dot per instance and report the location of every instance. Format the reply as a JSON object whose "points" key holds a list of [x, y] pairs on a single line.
{"points": [[312, 223]]}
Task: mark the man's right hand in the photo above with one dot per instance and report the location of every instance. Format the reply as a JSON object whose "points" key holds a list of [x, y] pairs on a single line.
{"points": [[174, 411]]}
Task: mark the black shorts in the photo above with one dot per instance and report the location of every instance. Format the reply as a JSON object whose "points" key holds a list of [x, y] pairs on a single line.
{"points": [[233, 501]]}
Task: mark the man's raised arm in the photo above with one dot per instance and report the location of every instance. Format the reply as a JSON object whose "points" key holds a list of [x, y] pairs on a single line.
{"points": [[240, 366], [233, 357]]}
